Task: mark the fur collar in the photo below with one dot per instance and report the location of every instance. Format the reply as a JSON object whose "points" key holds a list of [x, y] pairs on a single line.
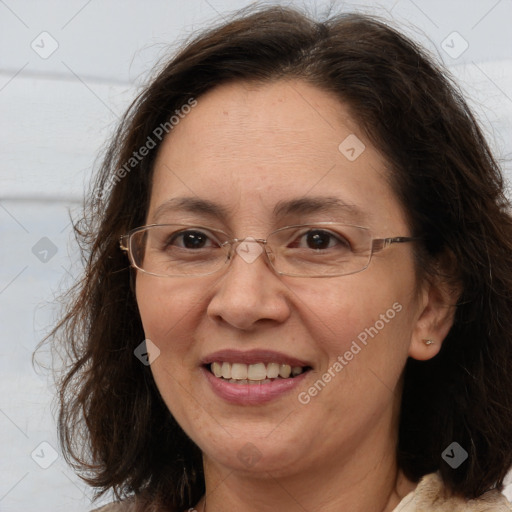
{"points": [[430, 496]]}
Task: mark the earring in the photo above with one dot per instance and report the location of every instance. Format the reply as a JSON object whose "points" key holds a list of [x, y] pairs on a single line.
{"points": [[428, 342]]}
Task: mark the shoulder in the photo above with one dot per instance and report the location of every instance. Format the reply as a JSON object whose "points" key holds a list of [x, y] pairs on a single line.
{"points": [[431, 496]]}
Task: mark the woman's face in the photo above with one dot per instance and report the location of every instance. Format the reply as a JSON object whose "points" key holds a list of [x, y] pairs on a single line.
{"points": [[249, 150]]}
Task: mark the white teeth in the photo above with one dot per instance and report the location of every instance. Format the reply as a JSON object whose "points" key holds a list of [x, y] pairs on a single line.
{"points": [[226, 371], [217, 369], [285, 370], [272, 370], [296, 370], [241, 373], [257, 372]]}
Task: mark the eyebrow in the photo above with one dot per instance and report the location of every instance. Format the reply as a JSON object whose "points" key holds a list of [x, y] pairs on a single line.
{"points": [[285, 208], [191, 205], [316, 204]]}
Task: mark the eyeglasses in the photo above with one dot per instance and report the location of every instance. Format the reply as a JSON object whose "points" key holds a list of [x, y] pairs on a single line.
{"points": [[324, 249]]}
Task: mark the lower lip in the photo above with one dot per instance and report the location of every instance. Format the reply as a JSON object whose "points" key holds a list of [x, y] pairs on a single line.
{"points": [[251, 394]]}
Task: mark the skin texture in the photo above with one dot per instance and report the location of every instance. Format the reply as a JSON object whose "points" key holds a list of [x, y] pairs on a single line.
{"points": [[246, 147]]}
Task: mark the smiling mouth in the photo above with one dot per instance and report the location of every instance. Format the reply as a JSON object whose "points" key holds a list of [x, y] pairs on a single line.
{"points": [[259, 373]]}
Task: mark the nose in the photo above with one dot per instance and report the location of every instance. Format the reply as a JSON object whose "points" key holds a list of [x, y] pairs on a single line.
{"points": [[249, 293]]}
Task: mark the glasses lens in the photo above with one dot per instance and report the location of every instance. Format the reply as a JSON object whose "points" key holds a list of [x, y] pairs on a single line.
{"points": [[320, 250], [176, 250]]}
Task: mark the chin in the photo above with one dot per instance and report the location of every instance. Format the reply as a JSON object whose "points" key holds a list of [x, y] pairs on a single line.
{"points": [[253, 456]]}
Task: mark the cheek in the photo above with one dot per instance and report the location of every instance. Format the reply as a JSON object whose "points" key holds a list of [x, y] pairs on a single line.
{"points": [[168, 311], [161, 303], [355, 315]]}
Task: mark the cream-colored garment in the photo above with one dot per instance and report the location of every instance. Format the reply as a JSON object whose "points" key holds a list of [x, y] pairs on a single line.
{"points": [[429, 496]]}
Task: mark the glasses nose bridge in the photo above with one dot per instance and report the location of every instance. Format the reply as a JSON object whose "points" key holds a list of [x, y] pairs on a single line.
{"points": [[251, 251]]}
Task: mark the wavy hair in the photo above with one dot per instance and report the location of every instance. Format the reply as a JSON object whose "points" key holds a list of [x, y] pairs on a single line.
{"points": [[114, 427]]}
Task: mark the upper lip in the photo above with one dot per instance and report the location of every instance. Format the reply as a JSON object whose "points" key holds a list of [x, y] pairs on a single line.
{"points": [[253, 357]]}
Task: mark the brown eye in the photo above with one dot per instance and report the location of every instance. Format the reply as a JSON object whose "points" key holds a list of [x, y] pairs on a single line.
{"points": [[320, 239], [190, 239]]}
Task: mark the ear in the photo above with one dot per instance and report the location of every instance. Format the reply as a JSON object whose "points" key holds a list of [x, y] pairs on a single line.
{"points": [[436, 311]]}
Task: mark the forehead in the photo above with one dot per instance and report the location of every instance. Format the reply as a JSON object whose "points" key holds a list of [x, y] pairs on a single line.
{"points": [[250, 148], [280, 120]]}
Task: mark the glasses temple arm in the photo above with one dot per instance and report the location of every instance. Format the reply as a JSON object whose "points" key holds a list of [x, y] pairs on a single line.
{"points": [[381, 243]]}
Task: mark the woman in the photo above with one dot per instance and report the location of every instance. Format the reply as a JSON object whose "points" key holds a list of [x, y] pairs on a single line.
{"points": [[298, 290]]}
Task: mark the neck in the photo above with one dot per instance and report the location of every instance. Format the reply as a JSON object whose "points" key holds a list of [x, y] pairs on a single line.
{"points": [[357, 474], [330, 487]]}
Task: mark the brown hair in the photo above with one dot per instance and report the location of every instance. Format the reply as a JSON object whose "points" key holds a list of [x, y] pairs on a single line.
{"points": [[113, 424]]}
